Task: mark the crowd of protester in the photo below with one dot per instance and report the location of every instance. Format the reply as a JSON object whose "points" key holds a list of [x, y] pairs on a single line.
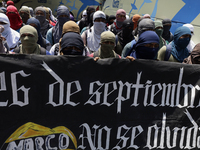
{"points": [[97, 35]]}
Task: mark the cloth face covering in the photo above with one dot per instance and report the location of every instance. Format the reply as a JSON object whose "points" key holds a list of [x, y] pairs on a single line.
{"points": [[12, 36], [62, 10], [14, 17], [37, 23], [144, 52], [179, 50], [29, 43], [119, 20], [71, 39], [106, 50]]}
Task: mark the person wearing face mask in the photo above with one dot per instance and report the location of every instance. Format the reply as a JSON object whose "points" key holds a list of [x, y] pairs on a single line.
{"points": [[41, 40], [85, 21], [124, 36], [92, 36], [40, 14], [159, 31], [69, 26], [147, 46], [11, 36], [52, 18], [71, 44], [24, 12], [194, 57], [106, 49], [111, 19], [84, 15], [117, 24], [89, 25], [144, 25], [177, 50], [135, 19], [29, 38], [31, 11], [15, 20], [167, 35], [3, 43], [54, 34], [191, 45]]}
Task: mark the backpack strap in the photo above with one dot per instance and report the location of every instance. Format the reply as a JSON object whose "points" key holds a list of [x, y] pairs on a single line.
{"points": [[168, 52]]}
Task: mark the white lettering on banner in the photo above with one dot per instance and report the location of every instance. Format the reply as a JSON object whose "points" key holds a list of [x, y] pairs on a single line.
{"points": [[95, 137], [47, 142], [169, 137], [123, 139], [3, 87], [22, 88], [60, 82], [171, 94], [159, 136], [96, 93], [41, 143], [15, 89]]}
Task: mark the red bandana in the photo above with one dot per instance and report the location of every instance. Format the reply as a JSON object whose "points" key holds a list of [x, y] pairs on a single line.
{"points": [[14, 17]]}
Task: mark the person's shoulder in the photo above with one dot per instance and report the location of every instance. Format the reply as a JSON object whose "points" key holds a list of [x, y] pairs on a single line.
{"points": [[161, 53], [50, 30], [43, 51], [15, 32], [83, 20], [128, 45]]}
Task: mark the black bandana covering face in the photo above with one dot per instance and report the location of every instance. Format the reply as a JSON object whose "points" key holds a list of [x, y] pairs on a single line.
{"points": [[71, 44], [166, 29]]}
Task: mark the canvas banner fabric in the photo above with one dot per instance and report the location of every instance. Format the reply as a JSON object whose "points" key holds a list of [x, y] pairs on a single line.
{"points": [[68, 102]]}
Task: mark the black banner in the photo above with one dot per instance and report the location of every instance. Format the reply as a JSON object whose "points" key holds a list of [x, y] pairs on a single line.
{"points": [[60, 102]]}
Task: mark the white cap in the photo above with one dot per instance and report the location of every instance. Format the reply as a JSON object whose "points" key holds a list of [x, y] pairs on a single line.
{"points": [[127, 17], [84, 13]]}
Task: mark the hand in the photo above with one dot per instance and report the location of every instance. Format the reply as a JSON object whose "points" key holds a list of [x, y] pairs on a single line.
{"points": [[130, 58], [96, 58]]}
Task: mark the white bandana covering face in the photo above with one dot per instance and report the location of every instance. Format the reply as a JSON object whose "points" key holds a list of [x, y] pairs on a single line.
{"points": [[12, 36], [191, 45], [94, 37]]}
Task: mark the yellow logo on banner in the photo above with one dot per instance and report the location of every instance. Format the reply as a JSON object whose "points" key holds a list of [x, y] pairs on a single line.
{"points": [[34, 136]]}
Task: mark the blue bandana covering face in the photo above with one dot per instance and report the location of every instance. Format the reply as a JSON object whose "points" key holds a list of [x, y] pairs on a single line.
{"points": [[62, 10], [179, 46], [143, 52], [146, 52]]}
